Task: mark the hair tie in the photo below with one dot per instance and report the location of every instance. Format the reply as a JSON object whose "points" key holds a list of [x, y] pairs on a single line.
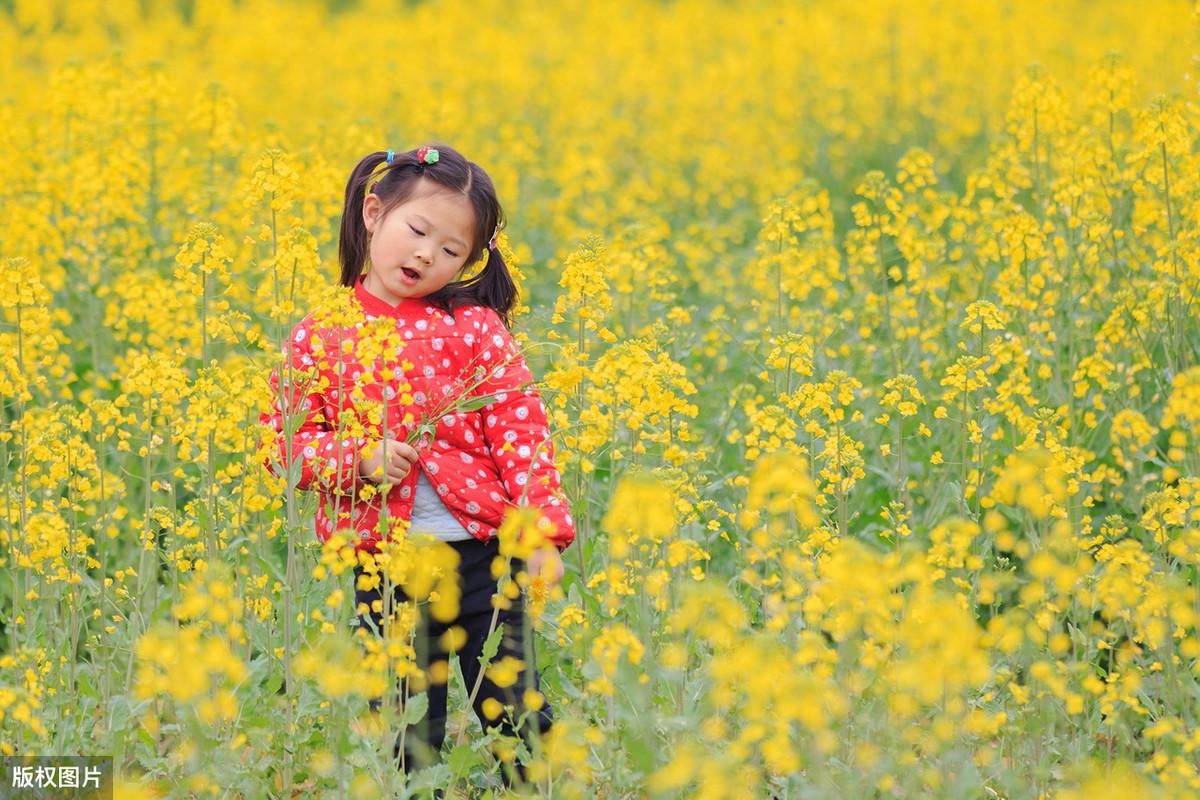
{"points": [[391, 156], [493, 241], [427, 155]]}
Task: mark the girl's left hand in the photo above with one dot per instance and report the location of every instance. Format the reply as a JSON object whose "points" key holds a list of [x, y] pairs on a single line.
{"points": [[546, 563]]}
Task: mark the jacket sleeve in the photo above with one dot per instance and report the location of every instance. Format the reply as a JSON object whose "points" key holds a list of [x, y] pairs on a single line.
{"points": [[516, 430], [321, 459]]}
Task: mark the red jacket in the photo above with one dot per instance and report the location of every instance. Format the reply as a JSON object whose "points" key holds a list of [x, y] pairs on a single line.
{"points": [[481, 462]]}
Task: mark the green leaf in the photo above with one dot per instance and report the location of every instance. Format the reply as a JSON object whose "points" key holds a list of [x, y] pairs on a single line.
{"points": [[145, 737], [462, 758], [293, 422], [641, 755], [491, 646], [414, 709], [476, 403], [293, 472]]}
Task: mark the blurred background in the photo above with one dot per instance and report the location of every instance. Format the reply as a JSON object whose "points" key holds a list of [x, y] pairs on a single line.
{"points": [[867, 331]]}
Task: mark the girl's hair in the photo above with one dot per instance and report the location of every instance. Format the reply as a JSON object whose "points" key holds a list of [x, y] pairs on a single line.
{"points": [[493, 286]]}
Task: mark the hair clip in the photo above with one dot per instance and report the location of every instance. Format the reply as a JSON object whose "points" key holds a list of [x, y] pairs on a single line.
{"points": [[391, 156], [427, 155]]}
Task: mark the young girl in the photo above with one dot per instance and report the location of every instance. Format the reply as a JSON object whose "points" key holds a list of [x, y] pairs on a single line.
{"points": [[412, 226]]}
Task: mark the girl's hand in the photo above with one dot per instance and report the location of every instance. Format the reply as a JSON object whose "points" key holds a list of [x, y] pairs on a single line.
{"points": [[546, 563], [389, 461]]}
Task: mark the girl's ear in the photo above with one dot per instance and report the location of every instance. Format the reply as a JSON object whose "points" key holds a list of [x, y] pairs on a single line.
{"points": [[372, 205]]}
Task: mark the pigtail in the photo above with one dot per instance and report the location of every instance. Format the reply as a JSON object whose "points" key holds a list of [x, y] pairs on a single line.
{"points": [[493, 287], [353, 241]]}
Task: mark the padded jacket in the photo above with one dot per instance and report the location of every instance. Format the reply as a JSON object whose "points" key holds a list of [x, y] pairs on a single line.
{"points": [[481, 462]]}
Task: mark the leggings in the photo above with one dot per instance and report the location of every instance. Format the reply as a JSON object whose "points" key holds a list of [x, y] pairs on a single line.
{"points": [[421, 745]]}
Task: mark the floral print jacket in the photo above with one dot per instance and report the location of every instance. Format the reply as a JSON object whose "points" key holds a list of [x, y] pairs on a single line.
{"points": [[481, 459]]}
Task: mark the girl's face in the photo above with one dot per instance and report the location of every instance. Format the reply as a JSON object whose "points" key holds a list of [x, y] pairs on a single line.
{"points": [[420, 245]]}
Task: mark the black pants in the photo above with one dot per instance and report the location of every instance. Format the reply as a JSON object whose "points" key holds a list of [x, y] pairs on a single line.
{"points": [[422, 745]]}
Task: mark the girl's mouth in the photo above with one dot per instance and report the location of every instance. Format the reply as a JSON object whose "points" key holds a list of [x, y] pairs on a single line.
{"points": [[410, 276]]}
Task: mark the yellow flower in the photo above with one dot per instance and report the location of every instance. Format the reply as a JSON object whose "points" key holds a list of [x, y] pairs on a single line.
{"points": [[492, 708], [505, 672]]}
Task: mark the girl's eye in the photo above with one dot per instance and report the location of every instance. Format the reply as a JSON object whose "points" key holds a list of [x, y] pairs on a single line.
{"points": [[449, 252]]}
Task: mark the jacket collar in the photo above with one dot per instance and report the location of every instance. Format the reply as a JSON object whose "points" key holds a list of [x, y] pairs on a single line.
{"points": [[380, 307]]}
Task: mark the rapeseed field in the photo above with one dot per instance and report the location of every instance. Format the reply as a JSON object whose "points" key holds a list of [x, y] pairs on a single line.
{"points": [[868, 334]]}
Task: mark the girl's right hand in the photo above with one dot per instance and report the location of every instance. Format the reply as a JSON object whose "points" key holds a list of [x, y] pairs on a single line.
{"points": [[389, 461]]}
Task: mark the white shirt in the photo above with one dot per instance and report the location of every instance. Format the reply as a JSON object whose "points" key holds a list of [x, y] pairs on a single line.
{"points": [[431, 516]]}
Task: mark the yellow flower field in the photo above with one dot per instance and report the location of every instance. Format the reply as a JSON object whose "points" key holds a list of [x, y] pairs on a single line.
{"points": [[869, 333]]}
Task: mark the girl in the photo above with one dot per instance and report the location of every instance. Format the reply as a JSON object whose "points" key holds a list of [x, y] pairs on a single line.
{"points": [[412, 225]]}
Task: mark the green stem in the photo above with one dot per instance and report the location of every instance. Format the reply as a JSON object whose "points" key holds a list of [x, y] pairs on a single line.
{"points": [[1178, 316]]}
